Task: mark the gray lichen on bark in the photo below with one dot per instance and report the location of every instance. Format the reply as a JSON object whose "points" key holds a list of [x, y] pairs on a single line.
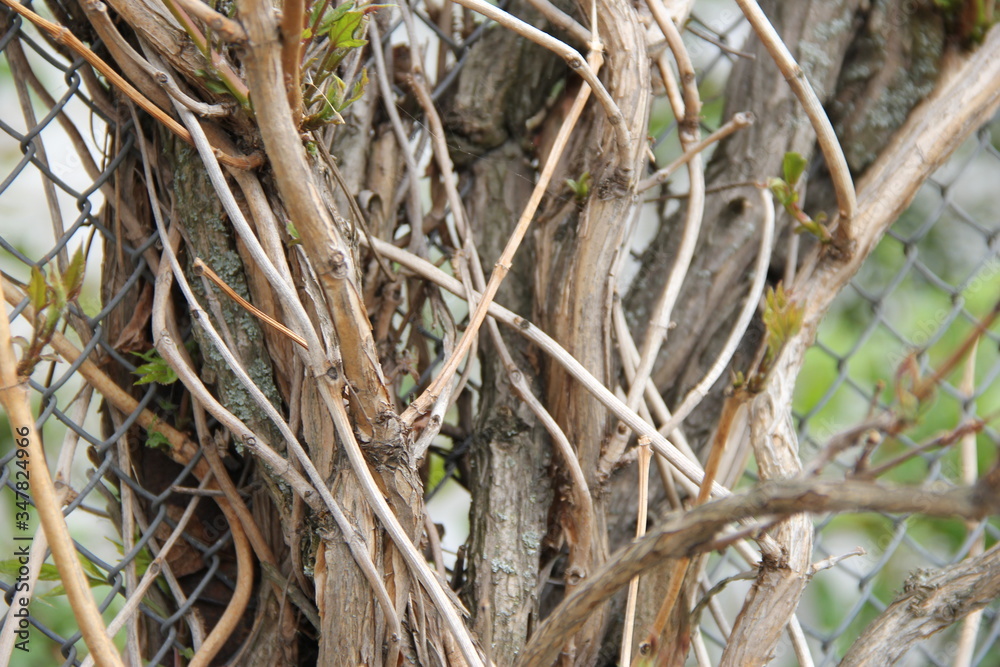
{"points": [[204, 222], [891, 65]]}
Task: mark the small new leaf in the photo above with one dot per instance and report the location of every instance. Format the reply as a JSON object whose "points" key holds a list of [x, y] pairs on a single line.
{"points": [[782, 319], [580, 188], [156, 440], [294, 233], [155, 369], [73, 278], [212, 82], [792, 166], [783, 192], [357, 91], [815, 228], [38, 290]]}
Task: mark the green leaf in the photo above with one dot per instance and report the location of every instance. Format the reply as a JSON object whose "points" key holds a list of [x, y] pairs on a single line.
{"points": [[580, 188], [784, 193], [294, 233], [156, 440], [155, 369], [331, 15], [357, 91], [37, 290], [58, 295], [782, 319], [212, 82], [792, 167], [48, 572], [73, 278], [341, 27]]}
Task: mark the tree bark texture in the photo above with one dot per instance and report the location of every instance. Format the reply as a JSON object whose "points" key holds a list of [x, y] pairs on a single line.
{"points": [[527, 552]]}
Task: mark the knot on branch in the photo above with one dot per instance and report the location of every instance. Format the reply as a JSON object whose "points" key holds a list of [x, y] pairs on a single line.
{"points": [[338, 264], [617, 184]]}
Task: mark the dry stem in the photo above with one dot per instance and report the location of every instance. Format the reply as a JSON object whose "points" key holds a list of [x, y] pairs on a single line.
{"points": [[63, 36], [14, 397], [828, 143]]}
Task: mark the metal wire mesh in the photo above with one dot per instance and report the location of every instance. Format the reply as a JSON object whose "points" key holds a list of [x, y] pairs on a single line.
{"points": [[872, 330]]}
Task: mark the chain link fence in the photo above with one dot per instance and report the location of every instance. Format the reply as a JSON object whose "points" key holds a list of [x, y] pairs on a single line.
{"points": [[934, 275]]}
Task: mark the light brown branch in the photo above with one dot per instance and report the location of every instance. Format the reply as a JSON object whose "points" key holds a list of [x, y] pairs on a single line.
{"points": [[503, 264], [827, 138], [572, 58], [321, 239], [928, 604], [229, 29], [63, 36], [702, 530], [640, 531], [14, 397], [200, 267], [292, 23]]}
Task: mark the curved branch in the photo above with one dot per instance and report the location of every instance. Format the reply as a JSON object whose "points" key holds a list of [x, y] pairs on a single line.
{"points": [[63, 36], [702, 530], [14, 397], [928, 604], [833, 153], [572, 58]]}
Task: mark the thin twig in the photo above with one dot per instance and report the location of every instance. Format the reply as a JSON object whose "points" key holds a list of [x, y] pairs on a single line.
{"points": [[698, 393], [229, 29], [828, 143], [503, 264], [359, 218], [966, 644], [958, 434], [678, 574], [561, 19], [201, 268], [640, 531], [923, 389], [670, 85], [18, 65], [413, 205], [630, 359], [737, 122], [694, 30], [14, 397], [567, 53], [62, 35], [690, 116]]}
